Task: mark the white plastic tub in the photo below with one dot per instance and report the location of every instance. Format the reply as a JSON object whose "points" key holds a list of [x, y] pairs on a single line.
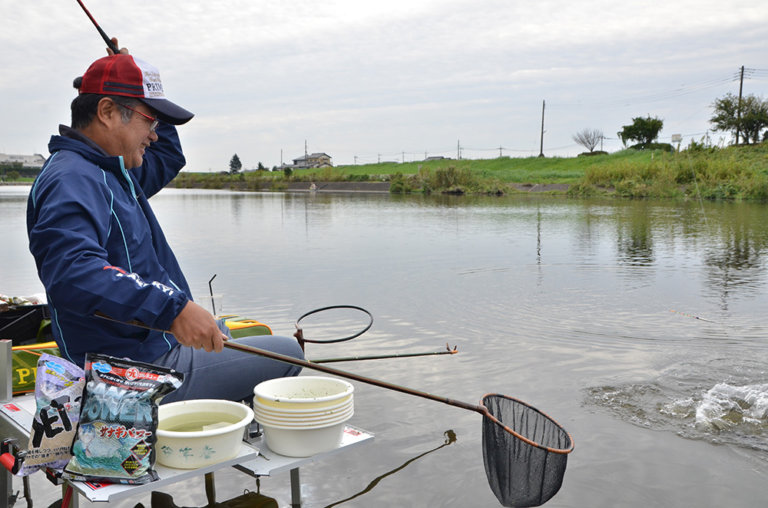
{"points": [[303, 415], [298, 413], [303, 392], [306, 423], [303, 442], [197, 433]]}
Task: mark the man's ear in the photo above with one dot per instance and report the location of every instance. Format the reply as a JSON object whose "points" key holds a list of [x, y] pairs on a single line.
{"points": [[107, 112]]}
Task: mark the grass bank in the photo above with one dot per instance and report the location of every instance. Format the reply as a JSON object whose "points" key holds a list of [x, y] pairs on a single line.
{"points": [[733, 173]]}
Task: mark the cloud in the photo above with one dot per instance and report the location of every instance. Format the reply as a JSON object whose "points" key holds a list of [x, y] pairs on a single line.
{"points": [[363, 78]]}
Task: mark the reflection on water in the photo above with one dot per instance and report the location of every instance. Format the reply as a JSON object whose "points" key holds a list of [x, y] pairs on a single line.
{"points": [[450, 438], [598, 312], [737, 258]]}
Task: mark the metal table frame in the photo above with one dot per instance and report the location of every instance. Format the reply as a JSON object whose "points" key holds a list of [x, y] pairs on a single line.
{"points": [[254, 459]]}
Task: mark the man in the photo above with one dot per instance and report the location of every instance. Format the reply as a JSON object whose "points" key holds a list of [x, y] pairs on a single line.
{"points": [[100, 250]]}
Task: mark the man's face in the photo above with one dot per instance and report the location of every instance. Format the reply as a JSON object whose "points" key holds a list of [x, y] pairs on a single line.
{"points": [[133, 137]]}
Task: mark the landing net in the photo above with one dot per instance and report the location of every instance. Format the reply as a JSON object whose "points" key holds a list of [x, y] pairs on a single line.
{"points": [[525, 452]]}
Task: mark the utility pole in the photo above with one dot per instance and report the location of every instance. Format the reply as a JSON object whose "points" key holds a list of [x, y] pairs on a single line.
{"points": [[499, 152], [458, 150], [738, 108], [541, 147]]}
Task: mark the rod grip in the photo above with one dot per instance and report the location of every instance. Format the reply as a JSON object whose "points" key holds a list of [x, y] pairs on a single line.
{"points": [[111, 45]]}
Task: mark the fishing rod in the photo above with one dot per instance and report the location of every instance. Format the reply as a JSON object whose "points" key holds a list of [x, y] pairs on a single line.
{"points": [[111, 45]]}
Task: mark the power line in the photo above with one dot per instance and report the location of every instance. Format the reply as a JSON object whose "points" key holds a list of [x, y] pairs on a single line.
{"points": [[657, 96], [629, 100]]}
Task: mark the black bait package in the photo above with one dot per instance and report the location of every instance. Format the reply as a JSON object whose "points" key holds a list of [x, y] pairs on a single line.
{"points": [[116, 436]]}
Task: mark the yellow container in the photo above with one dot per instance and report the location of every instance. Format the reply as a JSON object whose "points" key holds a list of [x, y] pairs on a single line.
{"points": [[24, 359], [245, 327]]}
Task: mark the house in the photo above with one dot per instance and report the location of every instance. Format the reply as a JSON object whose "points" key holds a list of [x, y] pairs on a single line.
{"points": [[315, 160], [27, 161]]}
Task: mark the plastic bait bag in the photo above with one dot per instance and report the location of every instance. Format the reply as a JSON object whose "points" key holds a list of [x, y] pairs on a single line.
{"points": [[58, 391], [118, 420]]}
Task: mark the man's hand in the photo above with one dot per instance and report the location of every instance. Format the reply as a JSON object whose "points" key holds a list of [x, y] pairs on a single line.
{"points": [[123, 51], [196, 327]]}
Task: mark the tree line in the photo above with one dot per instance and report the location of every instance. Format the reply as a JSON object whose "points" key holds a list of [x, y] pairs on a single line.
{"points": [[744, 117]]}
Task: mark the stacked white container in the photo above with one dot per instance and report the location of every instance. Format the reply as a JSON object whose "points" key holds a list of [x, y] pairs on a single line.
{"points": [[303, 415]]}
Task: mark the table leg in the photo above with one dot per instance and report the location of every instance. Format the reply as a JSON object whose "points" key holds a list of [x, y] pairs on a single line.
{"points": [[6, 393], [74, 496], [295, 488], [210, 489], [6, 486]]}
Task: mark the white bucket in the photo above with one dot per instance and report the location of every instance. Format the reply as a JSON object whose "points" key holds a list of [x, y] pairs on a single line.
{"points": [[306, 423], [303, 415], [197, 433], [302, 392], [298, 413], [303, 442]]}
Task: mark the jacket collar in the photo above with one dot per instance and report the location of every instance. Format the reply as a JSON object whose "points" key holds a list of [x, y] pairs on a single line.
{"points": [[75, 141]]}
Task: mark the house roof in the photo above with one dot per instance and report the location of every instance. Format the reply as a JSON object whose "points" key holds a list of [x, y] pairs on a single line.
{"points": [[316, 155], [35, 160]]}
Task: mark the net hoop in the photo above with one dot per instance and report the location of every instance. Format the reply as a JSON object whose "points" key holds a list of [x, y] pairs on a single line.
{"points": [[487, 414], [332, 307]]}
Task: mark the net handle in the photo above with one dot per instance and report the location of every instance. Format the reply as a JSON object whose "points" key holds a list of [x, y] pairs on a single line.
{"points": [[403, 389], [376, 382], [319, 367]]}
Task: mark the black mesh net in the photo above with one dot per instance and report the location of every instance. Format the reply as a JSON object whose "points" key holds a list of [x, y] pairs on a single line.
{"points": [[522, 473]]}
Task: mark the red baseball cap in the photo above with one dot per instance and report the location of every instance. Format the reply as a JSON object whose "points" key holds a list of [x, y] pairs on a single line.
{"points": [[127, 76]]}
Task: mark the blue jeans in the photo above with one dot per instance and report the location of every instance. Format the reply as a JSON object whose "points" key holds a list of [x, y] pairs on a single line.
{"points": [[231, 374]]}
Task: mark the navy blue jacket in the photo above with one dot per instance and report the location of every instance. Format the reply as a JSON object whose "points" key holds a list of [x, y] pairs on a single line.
{"points": [[99, 248]]}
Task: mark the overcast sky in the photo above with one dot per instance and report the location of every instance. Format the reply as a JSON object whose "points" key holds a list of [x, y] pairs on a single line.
{"points": [[368, 80]]}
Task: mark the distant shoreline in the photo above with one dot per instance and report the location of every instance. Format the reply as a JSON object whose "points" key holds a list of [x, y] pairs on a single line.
{"points": [[735, 173]]}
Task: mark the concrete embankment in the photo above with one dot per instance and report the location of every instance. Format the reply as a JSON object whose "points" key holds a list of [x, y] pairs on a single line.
{"points": [[339, 187], [384, 187]]}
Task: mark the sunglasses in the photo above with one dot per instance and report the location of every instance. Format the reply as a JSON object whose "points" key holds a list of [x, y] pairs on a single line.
{"points": [[154, 121]]}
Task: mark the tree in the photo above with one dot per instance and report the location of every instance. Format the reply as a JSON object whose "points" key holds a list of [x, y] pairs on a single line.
{"points": [[235, 165], [589, 138], [754, 118], [750, 119], [643, 130]]}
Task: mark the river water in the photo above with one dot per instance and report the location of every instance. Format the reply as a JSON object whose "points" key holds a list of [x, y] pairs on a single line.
{"points": [[638, 325]]}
